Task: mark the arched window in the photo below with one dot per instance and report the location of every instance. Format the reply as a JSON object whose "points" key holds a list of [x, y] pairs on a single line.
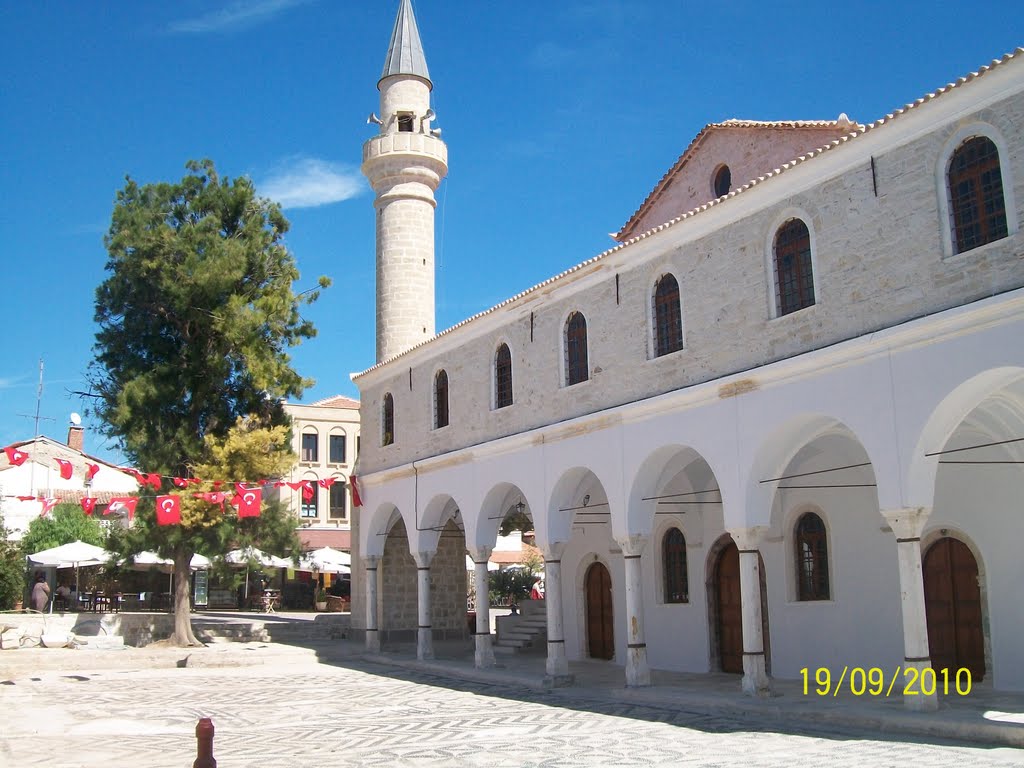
{"points": [[387, 421], [502, 377], [337, 501], [577, 368], [723, 181], [441, 399], [668, 319], [794, 279], [673, 557], [811, 558], [977, 208]]}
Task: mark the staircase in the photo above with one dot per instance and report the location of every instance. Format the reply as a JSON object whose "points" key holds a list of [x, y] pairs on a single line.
{"points": [[525, 632]]}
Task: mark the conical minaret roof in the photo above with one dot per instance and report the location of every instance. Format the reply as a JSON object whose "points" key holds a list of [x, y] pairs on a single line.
{"points": [[405, 54]]}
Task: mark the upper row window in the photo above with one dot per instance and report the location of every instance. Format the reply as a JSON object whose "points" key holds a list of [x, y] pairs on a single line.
{"points": [[309, 447], [577, 368], [975, 187], [794, 275]]}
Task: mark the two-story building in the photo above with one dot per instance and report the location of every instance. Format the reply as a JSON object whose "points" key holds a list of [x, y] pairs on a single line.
{"points": [[777, 426]]}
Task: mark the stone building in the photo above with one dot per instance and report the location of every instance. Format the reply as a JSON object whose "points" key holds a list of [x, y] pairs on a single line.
{"points": [[778, 425], [325, 437]]}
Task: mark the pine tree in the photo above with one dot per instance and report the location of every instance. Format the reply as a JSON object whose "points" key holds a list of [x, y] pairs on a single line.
{"points": [[195, 317]]}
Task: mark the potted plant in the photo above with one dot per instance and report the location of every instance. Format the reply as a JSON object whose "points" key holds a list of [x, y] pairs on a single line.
{"points": [[321, 598]]}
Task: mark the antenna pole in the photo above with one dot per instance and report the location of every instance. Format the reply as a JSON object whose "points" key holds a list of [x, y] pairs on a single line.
{"points": [[39, 395]]}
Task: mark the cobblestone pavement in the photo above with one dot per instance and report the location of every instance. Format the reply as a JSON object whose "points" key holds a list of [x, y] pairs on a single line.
{"points": [[296, 713]]}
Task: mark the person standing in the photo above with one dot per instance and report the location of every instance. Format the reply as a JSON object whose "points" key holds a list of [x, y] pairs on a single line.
{"points": [[40, 593]]}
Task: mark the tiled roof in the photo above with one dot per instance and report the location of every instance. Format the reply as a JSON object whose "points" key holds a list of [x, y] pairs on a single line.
{"points": [[859, 131], [841, 122], [337, 401], [54, 443]]}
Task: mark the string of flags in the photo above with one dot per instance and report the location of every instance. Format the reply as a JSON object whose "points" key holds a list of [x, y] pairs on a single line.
{"points": [[247, 499]]}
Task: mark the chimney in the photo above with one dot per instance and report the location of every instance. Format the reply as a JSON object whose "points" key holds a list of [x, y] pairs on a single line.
{"points": [[76, 438]]}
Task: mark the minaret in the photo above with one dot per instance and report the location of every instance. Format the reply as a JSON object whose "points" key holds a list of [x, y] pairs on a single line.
{"points": [[404, 163]]}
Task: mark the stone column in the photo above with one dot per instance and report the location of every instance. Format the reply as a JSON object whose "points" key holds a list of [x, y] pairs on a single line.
{"points": [[424, 633], [907, 525], [557, 667], [638, 673], [484, 653], [755, 673], [372, 631]]}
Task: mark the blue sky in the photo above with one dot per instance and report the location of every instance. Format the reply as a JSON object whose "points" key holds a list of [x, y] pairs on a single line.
{"points": [[559, 118]]}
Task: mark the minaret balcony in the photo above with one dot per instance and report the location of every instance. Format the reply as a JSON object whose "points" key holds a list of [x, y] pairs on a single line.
{"points": [[402, 143]]}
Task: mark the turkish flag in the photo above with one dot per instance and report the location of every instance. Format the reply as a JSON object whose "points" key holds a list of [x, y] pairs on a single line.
{"points": [[16, 457], [248, 502], [48, 504], [122, 503], [91, 470], [356, 501], [65, 468], [307, 492], [153, 479], [26, 498], [327, 482], [88, 505], [168, 510], [180, 482], [279, 484], [296, 486], [141, 478]]}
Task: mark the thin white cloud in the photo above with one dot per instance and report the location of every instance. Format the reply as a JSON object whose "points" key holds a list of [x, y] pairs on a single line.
{"points": [[307, 182], [241, 13]]}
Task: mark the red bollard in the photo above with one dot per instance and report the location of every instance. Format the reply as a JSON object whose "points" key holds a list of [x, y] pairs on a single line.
{"points": [[204, 739]]}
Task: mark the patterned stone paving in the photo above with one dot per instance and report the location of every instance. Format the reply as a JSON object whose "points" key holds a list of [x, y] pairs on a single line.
{"points": [[299, 713]]}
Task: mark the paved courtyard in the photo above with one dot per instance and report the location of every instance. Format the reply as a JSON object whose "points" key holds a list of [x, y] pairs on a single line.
{"points": [[290, 709]]}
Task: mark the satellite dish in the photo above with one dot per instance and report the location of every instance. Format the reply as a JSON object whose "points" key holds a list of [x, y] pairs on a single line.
{"points": [[76, 419]]}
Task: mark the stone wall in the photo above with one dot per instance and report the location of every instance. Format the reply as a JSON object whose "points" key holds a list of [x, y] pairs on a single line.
{"points": [[448, 585], [398, 617]]}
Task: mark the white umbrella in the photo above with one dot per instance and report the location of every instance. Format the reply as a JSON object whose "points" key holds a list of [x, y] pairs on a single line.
{"points": [[72, 555], [251, 554], [326, 560], [147, 559]]}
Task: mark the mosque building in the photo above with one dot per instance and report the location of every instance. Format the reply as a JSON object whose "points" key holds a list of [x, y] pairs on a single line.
{"points": [[778, 425]]}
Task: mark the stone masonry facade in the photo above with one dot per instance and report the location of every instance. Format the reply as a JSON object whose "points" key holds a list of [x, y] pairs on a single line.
{"points": [[876, 233]]}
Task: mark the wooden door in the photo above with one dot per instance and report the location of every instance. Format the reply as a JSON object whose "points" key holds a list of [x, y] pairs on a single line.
{"points": [[952, 599], [600, 627], [730, 611]]}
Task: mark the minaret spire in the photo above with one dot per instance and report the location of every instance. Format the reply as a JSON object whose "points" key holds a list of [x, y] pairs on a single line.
{"points": [[405, 163], [405, 53]]}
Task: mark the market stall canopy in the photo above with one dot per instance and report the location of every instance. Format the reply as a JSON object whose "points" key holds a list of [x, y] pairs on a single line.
{"points": [[77, 554], [242, 557]]}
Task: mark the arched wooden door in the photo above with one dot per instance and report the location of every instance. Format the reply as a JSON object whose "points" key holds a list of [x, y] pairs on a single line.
{"points": [[600, 627], [952, 599], [729, 609]]}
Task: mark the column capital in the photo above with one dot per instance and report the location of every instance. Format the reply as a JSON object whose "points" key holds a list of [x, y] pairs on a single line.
{"points": [[423, 558], [553, 550], [633, 544], [907, 522], [480, 554], [371, 561], [749, 538]]}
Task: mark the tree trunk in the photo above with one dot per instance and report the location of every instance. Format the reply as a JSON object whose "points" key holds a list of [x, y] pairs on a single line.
{"points": [[183, 635]]}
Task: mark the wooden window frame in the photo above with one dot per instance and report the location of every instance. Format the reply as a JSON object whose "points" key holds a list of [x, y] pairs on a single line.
{"points": [[503, 396], [811, 551], [668, 316], [977, 203], [676, 581], [577, 364], [341, 489], [331, 442], [794, 267], [307, 456]]}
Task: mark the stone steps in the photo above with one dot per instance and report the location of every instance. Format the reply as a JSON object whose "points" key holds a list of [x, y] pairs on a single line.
{"points": [[525, 632]]}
